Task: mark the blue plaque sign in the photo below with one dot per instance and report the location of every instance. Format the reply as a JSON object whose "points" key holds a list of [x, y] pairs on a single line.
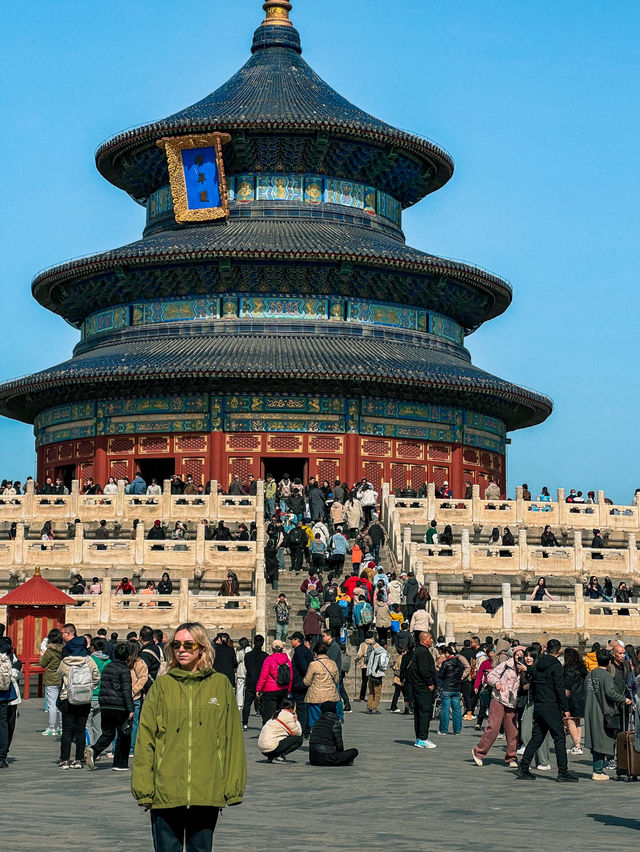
{"points": [[196, 175]]}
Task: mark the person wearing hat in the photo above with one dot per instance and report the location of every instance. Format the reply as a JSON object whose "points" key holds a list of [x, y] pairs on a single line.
{"points": [[271, 688]]}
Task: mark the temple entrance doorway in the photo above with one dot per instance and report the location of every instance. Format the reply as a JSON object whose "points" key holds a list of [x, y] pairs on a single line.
{"points": [[158, 469], [278, 466], [67, 474]]}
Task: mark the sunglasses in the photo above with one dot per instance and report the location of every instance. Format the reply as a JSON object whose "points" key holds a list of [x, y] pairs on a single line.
{"points": [[188, 646]]}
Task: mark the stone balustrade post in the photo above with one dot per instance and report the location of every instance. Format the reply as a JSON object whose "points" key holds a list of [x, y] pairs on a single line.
{"points": [[396, 537], [259, 500], [633, 553], [384, 508], [213, 501], [578, 555], [419, 570], [561, 495], [523, 551], [441, 616], [139, 544], [200, 544], [165, 500], [406, 547], [19, 545], [431, 502], [74, 499], [413, 560], [105, 601], [183, 601], [465, 550], [600, 499], [29, 500], [579, 598], [476, 507], [388, 515], [521, 506], [507, 606], [77, 545], [120, 513], [562, 507]]}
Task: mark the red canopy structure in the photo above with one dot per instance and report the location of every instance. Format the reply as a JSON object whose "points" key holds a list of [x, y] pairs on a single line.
{"points": [[33, 609]]}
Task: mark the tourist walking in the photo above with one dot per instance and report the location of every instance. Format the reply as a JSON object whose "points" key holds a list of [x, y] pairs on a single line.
{"points": [[80, 676], [189, 717], [603, 703], [525, 701], [116, 710], [253, 662], [241, 672], [550, 705], [450, 676], [274, 683], [421, 678], [504, 681], [50, 661], [575, 672], [10, 668], [377, 662]]}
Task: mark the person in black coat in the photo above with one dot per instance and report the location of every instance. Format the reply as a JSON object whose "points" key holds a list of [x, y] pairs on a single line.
{"points": [[334, 613], [253, 665], [116, 710], [549, 708], [225, 661], [300, 660], [575, 672], [421, 680], [325, 746]]}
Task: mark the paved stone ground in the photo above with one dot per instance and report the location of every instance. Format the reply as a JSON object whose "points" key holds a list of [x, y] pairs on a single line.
{"points": [[395, 797]]}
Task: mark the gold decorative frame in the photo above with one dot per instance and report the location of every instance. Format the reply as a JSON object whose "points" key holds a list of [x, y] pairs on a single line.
{"points": [[173, 146]]}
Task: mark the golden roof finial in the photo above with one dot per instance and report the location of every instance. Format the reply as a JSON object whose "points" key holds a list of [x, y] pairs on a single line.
{"points": [[277, 13], [36, 572]]}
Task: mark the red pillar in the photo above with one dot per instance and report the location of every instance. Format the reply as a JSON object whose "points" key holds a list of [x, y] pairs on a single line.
{"points": [[457, 472], [100, 463], [217, 466], [352, 465]]}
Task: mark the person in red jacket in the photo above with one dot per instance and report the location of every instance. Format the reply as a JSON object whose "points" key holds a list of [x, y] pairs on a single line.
{"points": [[270, 688]]}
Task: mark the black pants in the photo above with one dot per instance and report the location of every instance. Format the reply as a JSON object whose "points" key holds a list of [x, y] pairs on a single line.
{"points": [[343, 694], [335, 758], [111, 721], [74, 721], [546, 721], [397, 692], [249, 698], [301, 711], [170, 825], [422, 711], [271, 702], [296, 559], [4, 729], [285, 747], [382, 634], [484, 700], [364, 683], [468, 695]]}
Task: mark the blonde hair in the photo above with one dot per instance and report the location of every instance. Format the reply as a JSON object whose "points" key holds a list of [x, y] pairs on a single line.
{"points": [[199, 635]]}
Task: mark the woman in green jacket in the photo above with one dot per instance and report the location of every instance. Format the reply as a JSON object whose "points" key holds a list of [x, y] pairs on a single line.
{"points": [[189, 758]]}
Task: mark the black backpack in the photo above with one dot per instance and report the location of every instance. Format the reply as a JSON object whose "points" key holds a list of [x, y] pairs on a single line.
{"points": [[283, 675]]}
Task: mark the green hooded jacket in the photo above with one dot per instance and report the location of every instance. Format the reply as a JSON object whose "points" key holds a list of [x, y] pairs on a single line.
{"points": [[189, 749]]}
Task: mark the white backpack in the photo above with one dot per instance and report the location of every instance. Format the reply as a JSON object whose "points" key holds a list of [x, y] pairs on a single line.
{"points": [[79, 684], [5, 672]]}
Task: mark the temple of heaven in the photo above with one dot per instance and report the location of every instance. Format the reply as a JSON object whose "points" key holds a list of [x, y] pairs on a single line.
{"points": [[272, 317]]}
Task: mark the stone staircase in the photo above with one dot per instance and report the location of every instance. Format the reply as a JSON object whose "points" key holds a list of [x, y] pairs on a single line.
{"points": [[290, 583]]}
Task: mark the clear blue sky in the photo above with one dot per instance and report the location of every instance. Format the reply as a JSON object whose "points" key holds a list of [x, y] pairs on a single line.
{"points": [[538, 103]]}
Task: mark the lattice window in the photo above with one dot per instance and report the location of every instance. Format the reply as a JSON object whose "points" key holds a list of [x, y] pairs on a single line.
{"points": [[190, 443], [418, 473], [486, 460], [399, 475], [86, 470], [438, 452], [325, 444], [483, 481], [50, 471], [154, 444], [470, 456], [409, 450], [374, 472], [440, 474], [85, 448], [497, 463], [241, 468], [373, 447], [470, 476], [327, 469], [243, 442], [195, 467], [121, 445], [65, 452], [51, 454], [284, 443], [118, 468]]}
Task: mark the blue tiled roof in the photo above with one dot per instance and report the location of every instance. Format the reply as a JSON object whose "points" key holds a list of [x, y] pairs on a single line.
{"points": [[292, 243], [278, 358], [276, 91]]}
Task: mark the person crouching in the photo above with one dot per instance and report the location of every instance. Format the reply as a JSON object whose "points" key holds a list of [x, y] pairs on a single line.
{"points": [[281, 734], [325, 746]]}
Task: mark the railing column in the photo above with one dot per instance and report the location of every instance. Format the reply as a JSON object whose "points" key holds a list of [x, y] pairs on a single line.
{"points": [[105, 601], [213, 502], [384, 496], [507, 606], [139, 545], [577, 551], [165, 500], [431, 502], [441, 617], [523, 551], [19, 545], [200, 544], [259, 500], [120, 500], [579, 597], [74, 499], [28, 502], [391, 508], [77, 545], [183, 601], [465, 550], [412, 564], [521, 508], [633, 553], [476, 507], [600, 499]]}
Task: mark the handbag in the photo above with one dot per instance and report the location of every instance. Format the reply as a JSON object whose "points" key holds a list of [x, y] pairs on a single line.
{"points": [[612, 724], [127, 727]]}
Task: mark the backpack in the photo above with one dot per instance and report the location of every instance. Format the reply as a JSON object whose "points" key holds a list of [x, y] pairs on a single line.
{"points": [[5, 672], [311, 596], [331, 593], [366, 614], [79, 684], [314, 603], [283, 675], [379, 663], [282, 613], [296, 537]]}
